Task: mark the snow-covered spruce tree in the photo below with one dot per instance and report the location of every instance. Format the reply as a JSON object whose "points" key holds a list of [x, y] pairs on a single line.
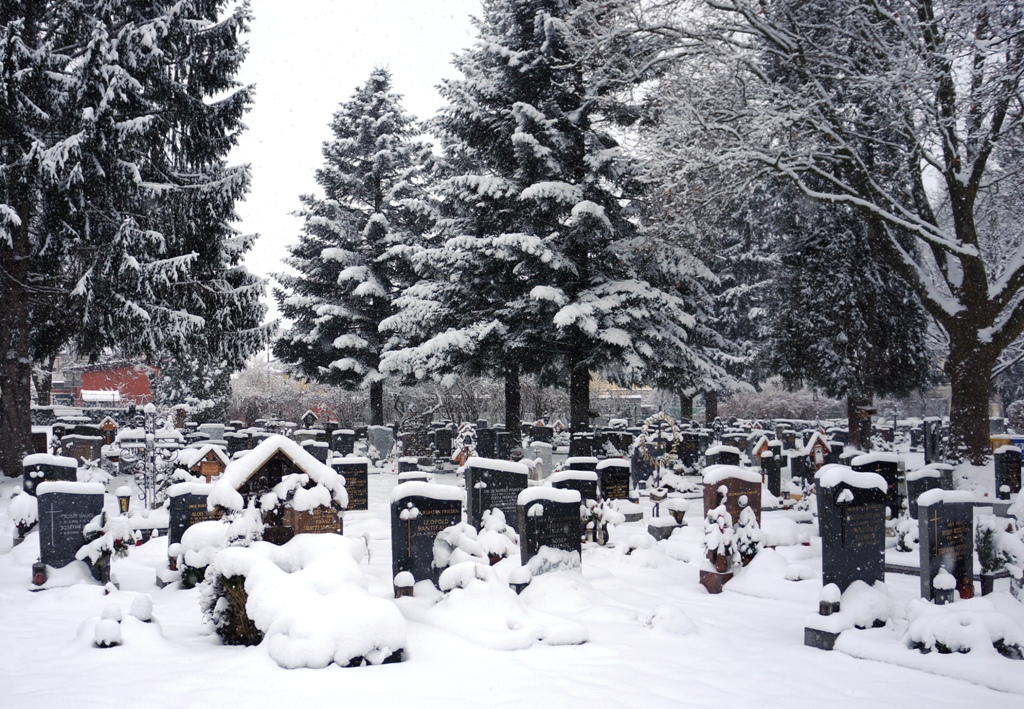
{"points": [[923, 136], [115, 198], [374, 177], [537, 272]]}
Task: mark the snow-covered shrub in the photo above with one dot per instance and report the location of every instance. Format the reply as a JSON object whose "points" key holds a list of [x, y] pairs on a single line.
{"points": [[24, 512], [201, 542], [105, 537], [987, 532], [289, 599], [749, 537], [456, 545], [497, 539], [720, 539], [907, 530], [1015, 416], [970, 625]]}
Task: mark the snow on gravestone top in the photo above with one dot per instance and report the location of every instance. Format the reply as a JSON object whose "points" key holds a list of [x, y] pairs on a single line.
{"points": [[70, 488], [937, 495], [432, 491], [225, 491], [563, 475], [835, 474], [1007, 449], [869, 458], [505, 466], [923, 473], [613, 463], [714, 474], [581, 462], [47, 459], [715, 450], [532, 494]]}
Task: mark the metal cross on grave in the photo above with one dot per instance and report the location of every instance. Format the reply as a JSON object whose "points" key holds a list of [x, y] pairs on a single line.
{"points": [[53, 525], [935, 524]]}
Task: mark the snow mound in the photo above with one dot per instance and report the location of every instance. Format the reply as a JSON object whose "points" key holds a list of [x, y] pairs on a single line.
{"points": [[973, 625], [308, 598], [669, 619]]}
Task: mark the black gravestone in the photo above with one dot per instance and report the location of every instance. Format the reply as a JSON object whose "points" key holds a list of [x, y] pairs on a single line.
{"points": [[852, 522], [187, 507], [489, 486], [918, 483], [544, 434], [356, 474], [689, 448], [344, 441], [581, 444], [642, 467], [889, 469], [503, 445], [581, 463], [40, 467], [798, 468], [317, 449], [614, 478], [63, 515], [771, 467], [1007, 463], [722, 455], [549, 518], [486, 442], [237, 442], [946, 534], [583, 481], [443, 438], [417, 517]]}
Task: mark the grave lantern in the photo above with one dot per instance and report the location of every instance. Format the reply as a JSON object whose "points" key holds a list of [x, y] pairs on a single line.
{"points": [[38, 573], [124, 498]]}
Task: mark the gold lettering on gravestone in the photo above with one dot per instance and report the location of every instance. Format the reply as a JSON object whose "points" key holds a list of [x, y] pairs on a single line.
{"points": [[861, 526], [319, 520], [953, 537]]}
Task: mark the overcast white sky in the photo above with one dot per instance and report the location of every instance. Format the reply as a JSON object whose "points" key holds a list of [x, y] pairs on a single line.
{"points": [[308, 56]]}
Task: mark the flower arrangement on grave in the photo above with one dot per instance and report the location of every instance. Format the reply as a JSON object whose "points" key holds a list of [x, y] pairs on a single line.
{"points": [[749, 537], [103, 538], [658, 443], [497, 539], [597, 518], [907, 530], [719, 540]]}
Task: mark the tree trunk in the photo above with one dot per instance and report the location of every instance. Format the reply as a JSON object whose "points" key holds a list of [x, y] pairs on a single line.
{"points": [[42, 377], [969, 368], [513, 402], [377, 403], [15, 367], [685, 405], [710, 407], [579, 395], [854, 418]]}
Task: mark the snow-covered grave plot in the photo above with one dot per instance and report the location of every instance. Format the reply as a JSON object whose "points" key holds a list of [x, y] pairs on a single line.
{"points": [[631, 626]]}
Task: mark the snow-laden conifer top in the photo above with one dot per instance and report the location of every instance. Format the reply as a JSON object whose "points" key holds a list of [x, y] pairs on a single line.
{"points": [[879, 457], [69, 488], [714, 474], [433, 491], [613, 463], [931, 497], [834, 474], [506, 466], [547, 494], [563, 475], [47, 459], [715, 450]]}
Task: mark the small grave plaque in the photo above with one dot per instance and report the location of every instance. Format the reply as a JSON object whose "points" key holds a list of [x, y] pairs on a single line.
{"points": [[548, 517], [419, 511], [614, 478], [356, 474], [64, 510], [946, 535], [851, 508], [493, 483]]}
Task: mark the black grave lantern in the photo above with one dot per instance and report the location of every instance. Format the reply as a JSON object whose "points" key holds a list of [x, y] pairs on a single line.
{"points": [[38, 573]]}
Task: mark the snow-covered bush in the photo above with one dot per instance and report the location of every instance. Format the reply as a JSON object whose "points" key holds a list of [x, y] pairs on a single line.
{"points": [[907, 530], [24, 512], [497, 539], [201, 542], [720, 539], [1015, 416], [105, 537], [971, 625], [749, 537], [458, 544]]}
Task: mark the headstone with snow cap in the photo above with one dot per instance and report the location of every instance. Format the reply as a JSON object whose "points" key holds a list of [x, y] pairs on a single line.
{"points": [[317, 449], [548, 517], [486, 442], [356, 474], [641, 466], [851, 510], [583, 481], [887, 465], [771, 467], [722, 455], [918, 483], [946, 536], [187, 506], [503, 445], [613, 475], [1007, 465], [581, 444], [65, 508], [493, 483], [743, 488], [932, 435], [82, 448], [545, 434], [580, 462], [380, 438], [40, 467], [343, 441], [419, 511]]}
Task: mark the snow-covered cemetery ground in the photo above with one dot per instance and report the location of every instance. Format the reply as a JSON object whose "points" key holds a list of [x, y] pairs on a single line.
{"points": [[631, 626]]}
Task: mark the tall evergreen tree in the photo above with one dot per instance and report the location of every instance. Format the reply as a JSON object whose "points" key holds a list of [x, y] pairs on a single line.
{"points": [[348, 256], [115, 197], [539, 268]]}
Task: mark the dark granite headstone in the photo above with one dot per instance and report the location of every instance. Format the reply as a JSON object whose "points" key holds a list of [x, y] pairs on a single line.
{"points": [[640, 467], [1007, 464], [916, 438], [40, 467], [493, 483], [689, 448], [416, 443], [443, 438], [419, 511], [187, 507], [722, 455], [317, 449], [545, 434], [503, 445], [886, 465], [852, 524], [614, 479], [356, 474], [548, 518], [344, 441], [789, 439], [771, 467], [583, 481], [946, 535], [918, 483], [581, 444], [64, 510], [486, 442], [82, 448]]}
